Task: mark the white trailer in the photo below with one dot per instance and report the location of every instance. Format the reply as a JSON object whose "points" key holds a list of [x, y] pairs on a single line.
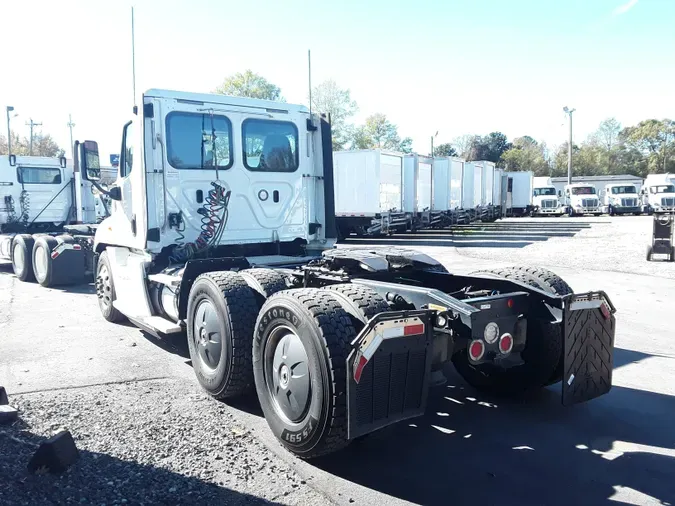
{"points": [[368, 188], [658, 193], [45, 213], [519, 192]]}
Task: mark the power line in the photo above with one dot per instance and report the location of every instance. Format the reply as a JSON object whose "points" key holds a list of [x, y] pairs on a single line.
{"points": [[32, 124]]}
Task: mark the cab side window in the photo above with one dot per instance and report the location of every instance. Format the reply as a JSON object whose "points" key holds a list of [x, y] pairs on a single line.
{"points": [[127, 158]]}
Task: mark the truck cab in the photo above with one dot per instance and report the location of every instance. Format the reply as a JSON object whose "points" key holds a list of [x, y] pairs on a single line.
{"points": [[621, 198], [545, 199], [582, 198], [658, 194]]}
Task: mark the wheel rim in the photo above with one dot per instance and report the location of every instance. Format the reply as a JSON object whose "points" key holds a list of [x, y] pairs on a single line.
{"points": [[287, 377], [104, 286], [41, 263], [207, 336], [18, 257]]}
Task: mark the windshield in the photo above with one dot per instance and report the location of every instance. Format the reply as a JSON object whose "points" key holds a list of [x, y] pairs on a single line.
{"points": [[618, 190], [583, 190], [666, 188], [538, 192]]}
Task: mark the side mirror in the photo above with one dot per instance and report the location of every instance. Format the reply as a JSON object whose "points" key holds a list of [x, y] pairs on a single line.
{"points": [[12, 160], [115, 193], [559, 193], [90, 163], [62, 162]]}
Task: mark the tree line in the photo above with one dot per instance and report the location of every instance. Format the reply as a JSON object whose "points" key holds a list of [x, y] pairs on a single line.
{"points": [[43, 145]]}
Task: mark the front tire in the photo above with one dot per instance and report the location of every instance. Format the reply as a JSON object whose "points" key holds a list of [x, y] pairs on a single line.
{"points": [[105, 290], [300, 347], [221, 316], [22, 257]]}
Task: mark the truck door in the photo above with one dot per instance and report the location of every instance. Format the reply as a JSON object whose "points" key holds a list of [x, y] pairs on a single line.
{"points": [[48, 197], [131, 210]]}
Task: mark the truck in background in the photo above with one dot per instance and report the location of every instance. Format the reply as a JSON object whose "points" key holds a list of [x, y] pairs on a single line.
{"points": [[621, 198], [658, 193], [582, 198], [545, 198], [47, 219]]}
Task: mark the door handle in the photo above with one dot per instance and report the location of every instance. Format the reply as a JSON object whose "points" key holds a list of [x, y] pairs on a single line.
{"points": [[133, 225]]}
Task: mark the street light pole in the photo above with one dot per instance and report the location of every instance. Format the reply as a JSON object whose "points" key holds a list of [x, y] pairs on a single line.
{"points": [[432, 144], [9, 132], [70, 126], [569, 112]]}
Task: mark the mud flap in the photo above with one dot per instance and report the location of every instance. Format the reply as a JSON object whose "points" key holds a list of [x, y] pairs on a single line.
{"points": [[589, 327], [388, 371]]}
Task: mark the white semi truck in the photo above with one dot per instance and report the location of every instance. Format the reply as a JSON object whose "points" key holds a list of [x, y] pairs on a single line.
{"points": [[581, 199], [621, 198], [47, 219], [545, 198], [223, 230], [658, 193]]}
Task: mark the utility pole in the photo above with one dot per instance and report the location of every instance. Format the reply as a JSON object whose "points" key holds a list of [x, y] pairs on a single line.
{"points": [[70, 125], [9, 131], [32, 124], [432, 144], [569, 112]]}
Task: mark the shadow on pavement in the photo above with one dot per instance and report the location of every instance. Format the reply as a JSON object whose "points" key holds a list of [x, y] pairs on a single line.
{"points": [[469, 449], [97, 478]]}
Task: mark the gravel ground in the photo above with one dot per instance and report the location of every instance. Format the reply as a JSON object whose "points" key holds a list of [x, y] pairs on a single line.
{"points": [[153, 442], [609, 244]]}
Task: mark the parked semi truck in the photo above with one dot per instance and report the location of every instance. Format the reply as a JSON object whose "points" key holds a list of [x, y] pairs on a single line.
{"points": [[658, 193], [582, 198], [223, 230], [47, 220], [621, 198], [545, 198]]}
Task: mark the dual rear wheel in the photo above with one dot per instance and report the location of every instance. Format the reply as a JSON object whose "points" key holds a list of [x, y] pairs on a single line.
{"points": [[246, 331]]}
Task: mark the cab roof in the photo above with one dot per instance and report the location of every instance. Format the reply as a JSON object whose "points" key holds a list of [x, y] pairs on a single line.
{"points": [[214, 98]]}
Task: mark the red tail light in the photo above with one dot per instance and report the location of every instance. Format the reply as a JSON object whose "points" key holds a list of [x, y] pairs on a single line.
{"points": [[506, 344], [476, 350]]}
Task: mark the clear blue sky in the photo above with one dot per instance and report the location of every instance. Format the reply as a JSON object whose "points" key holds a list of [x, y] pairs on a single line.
{"points": [[458, 66]]}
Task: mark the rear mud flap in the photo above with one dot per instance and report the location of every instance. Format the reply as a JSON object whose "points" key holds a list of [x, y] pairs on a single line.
{"points": [[589, 327], [388, 371]]}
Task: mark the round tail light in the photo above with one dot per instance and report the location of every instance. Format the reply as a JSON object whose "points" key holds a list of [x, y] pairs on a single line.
{"points": [[505, 344], [476, 350]]}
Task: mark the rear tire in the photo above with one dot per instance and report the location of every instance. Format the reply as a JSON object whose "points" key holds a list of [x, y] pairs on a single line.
{"points": [[304, 400], [221, 316], [265, 282], [43, 264], [543, 353], [105, 290], [22, 257], [361, 302]]}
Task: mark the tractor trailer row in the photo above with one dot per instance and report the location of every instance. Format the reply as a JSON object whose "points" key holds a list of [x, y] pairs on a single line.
{"points": [[381, 192]]}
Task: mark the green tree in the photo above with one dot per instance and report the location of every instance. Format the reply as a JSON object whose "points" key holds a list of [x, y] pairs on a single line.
{"points": [[655, 140], [462, 144], [379, 133], [446, 149], [526, 154], [607, 136], [489, 148], [251, 85], [330, 99]]}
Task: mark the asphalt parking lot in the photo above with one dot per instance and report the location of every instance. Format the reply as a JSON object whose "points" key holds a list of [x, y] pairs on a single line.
{"points": [[147, 433]]}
